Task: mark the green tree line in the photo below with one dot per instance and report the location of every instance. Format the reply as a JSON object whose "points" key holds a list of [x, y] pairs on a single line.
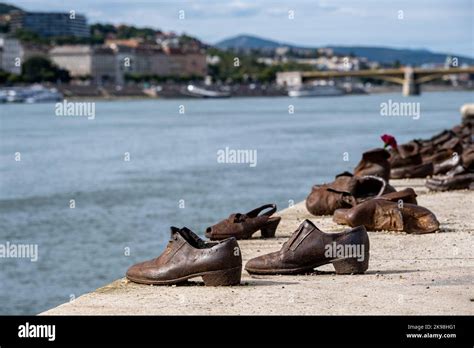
{"points": [[36, 69]]}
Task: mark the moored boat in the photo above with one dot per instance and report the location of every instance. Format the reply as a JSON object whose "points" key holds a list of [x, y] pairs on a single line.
{"points": [[199, 92], [316, 90]]}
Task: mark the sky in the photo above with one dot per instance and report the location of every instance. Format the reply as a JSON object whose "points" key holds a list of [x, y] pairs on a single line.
{"points": [[445, 26]]}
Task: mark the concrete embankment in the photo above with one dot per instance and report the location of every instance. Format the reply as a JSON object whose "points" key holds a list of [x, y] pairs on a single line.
{"points": [[408, 274]]}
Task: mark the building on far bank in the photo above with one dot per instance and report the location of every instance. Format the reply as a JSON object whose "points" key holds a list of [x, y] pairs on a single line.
{"points": [[289, 79], [49, 24], [188, 64], [111, 62], [97, 63], [16, 52], [77, 59], [2, 42]]}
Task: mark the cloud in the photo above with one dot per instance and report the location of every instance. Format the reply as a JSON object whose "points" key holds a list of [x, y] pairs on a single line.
{"points": [[219, 9]]}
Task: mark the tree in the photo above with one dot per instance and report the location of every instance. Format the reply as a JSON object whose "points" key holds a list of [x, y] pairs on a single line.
{"points": [[40, 69], [25, 35], [4, 76]]}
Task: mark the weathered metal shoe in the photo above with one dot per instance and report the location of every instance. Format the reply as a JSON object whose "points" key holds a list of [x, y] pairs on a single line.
{"points": [[458, 178], [409, 149], [468, 157], [243, 226], [412, 171], [345, 192], [381, 214], [309, 247], [374, 162], [407, 195], [188, 256], [397, 161]]}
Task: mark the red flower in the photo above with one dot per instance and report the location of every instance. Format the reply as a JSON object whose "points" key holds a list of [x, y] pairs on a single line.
{"points": [[389, 140]]}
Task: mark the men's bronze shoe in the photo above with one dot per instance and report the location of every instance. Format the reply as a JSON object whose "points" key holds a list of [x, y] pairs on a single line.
{"points": [[414, 171], [458, 182], [446, 165], [444, 151], [407, 195], [468, 158], [440, 138], [458, 178], [381, 214], [345, 192], [374, 162], [397, 161], [188, 256], [309, 247], [243, 226], [409, 149]]}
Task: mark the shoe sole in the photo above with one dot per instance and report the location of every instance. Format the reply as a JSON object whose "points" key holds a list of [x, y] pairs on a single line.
{"points": [[226, 277], [341, 266]]}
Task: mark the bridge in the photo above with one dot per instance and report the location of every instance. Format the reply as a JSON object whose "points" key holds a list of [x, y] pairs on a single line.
{"points": [[409, 78]]}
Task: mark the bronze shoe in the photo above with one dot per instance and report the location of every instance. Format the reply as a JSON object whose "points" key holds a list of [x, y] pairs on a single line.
{"points": [[345, 192], [374, 162], [407, 195], [188, 256], [381, 214], [458, 178], [309, 248], [468, 157], [409, 149], [243, 226], [412, 171], [446, 165], [397, 161], [440, 138]]}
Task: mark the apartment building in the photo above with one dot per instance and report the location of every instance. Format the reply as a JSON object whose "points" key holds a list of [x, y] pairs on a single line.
{"points": [[111, 62], [15, 52], [49, 24]]}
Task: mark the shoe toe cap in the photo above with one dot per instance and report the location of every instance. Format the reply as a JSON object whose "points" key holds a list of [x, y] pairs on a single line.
{"points": [[134, 272], [263, 263], [141, 272]]}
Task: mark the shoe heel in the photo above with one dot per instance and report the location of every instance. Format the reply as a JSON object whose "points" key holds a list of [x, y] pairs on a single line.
{"points": [[223, 278], [351, 266], [268, 231]]}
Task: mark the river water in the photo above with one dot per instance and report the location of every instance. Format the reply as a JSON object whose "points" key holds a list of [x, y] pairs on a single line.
{"points": [[123, 208]]}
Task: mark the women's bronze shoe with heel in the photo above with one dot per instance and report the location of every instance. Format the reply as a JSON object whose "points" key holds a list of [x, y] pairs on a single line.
{"points": [[243, 226]]}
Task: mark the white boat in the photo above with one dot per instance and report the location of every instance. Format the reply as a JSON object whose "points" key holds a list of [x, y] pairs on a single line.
{"points": [[199, 92], [316, 90], [44, 97], [33, 94]]}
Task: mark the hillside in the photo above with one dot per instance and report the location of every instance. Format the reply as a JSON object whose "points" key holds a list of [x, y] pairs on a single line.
{"points": [[6, 8], [379, 54]]}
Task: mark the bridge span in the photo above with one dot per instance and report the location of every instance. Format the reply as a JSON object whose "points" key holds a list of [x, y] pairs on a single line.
{"points": [[409, 78]]}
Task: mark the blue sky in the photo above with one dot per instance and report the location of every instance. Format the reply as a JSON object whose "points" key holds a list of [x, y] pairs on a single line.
{"points": [[439, 25]]}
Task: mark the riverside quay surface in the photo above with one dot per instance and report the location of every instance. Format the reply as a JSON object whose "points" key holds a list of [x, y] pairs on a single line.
{"points": [[408, 274]]}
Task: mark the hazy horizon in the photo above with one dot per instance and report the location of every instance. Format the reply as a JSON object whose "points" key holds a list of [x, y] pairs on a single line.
{"points": [[438, 26]]}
